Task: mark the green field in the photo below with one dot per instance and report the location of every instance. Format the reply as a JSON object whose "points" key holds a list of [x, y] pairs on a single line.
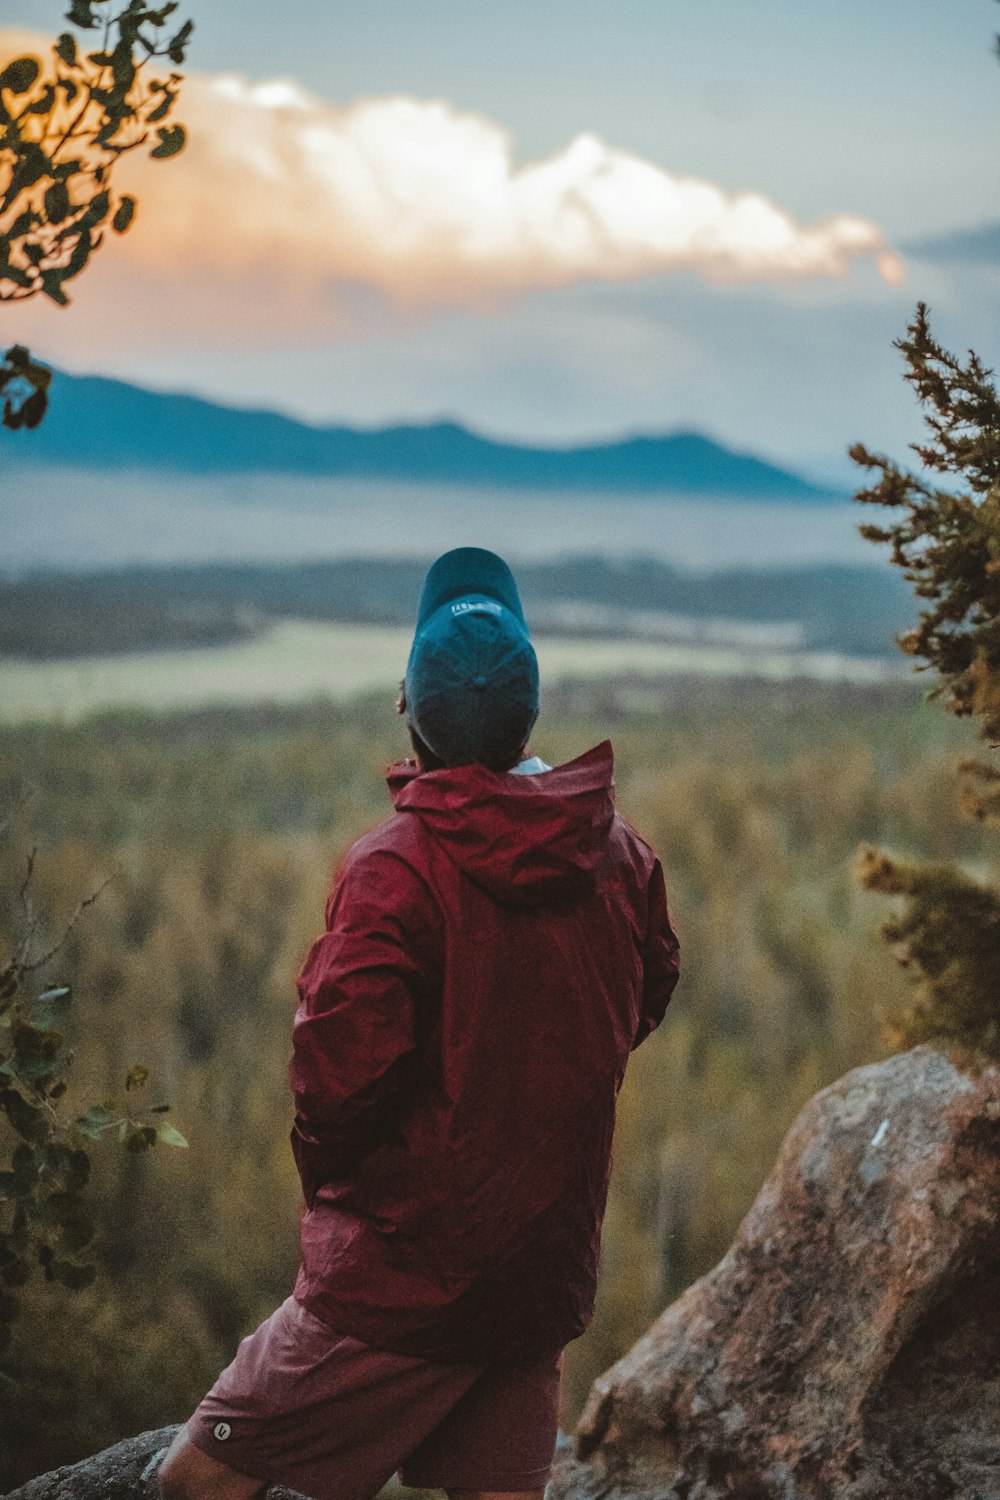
{"points": [[299, 661]]}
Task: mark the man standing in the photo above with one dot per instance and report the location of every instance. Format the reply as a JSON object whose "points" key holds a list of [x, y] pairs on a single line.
{"points": [[493, 953]]}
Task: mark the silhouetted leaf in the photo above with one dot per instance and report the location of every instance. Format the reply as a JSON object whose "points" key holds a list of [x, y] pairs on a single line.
{"points": [[18, 276], [73, 1276], [27, 1119], [81, 13], [172, 139], [56, 201], [19, 1236], [43, 104], [123, 68], [97, 209], [34, 408], [93, 1125], [158, 17], [19, 75], [66, 49], [77, 1171], [124, 214], [31, 165], [79, 255], [71, 1215], [55, 1155], [35, 1051], [40, 375], [52, 1007], [22, 225], [25, 1169], [16, 1271], [140, 1138]]}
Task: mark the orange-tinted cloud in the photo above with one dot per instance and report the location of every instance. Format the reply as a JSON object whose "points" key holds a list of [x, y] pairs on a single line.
{"points": [[281, 196], [424, 202]]}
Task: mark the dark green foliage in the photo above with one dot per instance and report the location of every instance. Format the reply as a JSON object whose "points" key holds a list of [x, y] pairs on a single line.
{"points": [[24, 386], [979, 791], [949, 935], [46, 1222], [63, 127], [948, 544]]}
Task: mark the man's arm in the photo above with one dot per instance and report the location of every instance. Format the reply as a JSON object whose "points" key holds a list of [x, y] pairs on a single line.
{"points": [[360, 991], [661, 960]]}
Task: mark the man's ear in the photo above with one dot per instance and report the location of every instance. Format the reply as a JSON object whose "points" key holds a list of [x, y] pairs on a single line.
{"points": [[401, 700]]}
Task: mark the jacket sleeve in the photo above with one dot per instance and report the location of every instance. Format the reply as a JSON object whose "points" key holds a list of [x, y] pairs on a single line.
{"points": [[357, 1022], [660, 958]]}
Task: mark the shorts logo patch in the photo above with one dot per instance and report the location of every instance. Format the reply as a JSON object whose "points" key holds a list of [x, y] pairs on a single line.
{"points": [[221, 1430]]}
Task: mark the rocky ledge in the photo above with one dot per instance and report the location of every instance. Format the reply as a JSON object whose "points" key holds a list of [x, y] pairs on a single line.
{"points": [[848, 1345], [125, 1472]]}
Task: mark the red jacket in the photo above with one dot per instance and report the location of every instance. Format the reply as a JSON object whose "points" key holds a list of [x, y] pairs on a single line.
{"points": [[493, 953]]}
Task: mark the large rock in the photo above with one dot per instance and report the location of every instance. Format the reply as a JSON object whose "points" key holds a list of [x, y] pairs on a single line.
{"points": [[848, 1345], [125, 1472]]}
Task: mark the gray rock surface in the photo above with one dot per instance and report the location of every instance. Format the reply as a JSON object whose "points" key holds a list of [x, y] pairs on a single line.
{"points": [[124, 1472], [848, 1345]]}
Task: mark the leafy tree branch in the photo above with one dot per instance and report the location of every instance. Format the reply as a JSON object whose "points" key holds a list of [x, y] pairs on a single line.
{"points": [[64, 124], [46, 1223], [947, 542]]}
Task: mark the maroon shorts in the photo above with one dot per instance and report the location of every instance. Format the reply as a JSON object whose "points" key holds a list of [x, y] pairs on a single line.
{"points": [[324, 1414]]}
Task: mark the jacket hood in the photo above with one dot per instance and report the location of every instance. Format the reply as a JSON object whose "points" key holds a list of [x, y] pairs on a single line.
{"points": [[525, 839]]}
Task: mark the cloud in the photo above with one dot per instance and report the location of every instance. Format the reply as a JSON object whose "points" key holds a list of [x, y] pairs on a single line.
{"points": [[284, 197], [425, 202]]}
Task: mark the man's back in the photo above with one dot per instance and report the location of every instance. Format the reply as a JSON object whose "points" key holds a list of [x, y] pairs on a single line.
{"points": [[494, 951]]}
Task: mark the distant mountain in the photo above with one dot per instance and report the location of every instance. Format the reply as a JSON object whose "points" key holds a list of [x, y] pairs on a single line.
{"points": [[976, 245], [108, 424]]}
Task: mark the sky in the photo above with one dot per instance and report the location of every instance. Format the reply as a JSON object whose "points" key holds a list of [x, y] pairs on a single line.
{"points": [[558, 222]]}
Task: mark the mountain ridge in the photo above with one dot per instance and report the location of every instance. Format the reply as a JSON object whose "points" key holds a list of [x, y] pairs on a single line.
{"points": [[94, 422]]}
